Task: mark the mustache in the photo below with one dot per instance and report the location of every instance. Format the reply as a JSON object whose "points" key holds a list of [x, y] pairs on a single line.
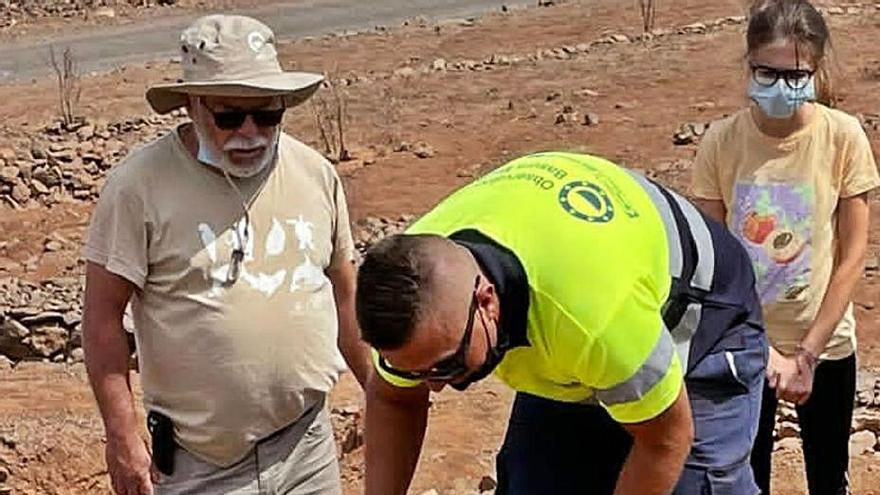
{"points": [[238, 143]]}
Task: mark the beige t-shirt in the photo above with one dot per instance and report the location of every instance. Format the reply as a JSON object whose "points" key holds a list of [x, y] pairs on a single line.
{"points": [[228, 364], [781, 197]]}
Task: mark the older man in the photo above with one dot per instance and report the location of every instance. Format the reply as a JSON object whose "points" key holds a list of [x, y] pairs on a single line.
{"points": [[232, 240], [627, 323]]}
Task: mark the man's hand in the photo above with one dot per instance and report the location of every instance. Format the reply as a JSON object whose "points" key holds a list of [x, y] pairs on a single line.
{"points": [[792, 381], [129, 465], [660, 447]]}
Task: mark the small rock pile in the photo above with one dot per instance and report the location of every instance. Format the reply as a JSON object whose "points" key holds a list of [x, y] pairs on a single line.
{"points": [[870, 121], [865, 424], [69, 163], [690, 133], [41, 321], [569, 115], [371, 230], [465, 486], [348, 428]]}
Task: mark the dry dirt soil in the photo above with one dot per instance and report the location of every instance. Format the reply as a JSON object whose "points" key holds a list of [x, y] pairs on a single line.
{"points": [[474, 120], [72, 16]]}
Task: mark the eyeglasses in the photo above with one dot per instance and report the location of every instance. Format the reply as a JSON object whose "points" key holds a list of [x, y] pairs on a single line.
{"points": [[768, 76], [450, 367]]}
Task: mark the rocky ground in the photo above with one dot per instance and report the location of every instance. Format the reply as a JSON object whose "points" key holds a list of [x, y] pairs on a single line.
{"points": [[430, 107], [19, 15], [47, 19]]}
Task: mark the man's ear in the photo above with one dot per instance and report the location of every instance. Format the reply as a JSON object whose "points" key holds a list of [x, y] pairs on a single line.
{"points": [[487, 299]]}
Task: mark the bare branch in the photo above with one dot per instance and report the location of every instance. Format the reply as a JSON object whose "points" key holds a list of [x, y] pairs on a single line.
{"points": [[69, 89], [648, 10], [330, 116], [319, 121]]}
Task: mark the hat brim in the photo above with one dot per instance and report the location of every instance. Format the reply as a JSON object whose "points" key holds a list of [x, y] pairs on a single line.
{"points": [[294, 87]]}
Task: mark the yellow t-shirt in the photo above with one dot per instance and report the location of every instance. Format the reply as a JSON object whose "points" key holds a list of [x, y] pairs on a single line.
{"points": [[781, 197], [228, 364]]}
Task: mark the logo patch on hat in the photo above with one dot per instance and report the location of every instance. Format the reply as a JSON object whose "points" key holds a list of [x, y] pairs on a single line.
{"points": [[256, 41]]}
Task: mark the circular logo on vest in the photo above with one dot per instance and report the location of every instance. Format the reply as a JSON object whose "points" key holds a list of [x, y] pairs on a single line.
{"points": [[586, 201]]}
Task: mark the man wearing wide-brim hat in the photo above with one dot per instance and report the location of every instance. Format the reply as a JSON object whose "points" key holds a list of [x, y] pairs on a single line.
{"points": [[232, 241]]}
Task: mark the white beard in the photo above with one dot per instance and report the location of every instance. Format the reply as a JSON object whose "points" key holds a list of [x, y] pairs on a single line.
{"points": [[208, 153]]}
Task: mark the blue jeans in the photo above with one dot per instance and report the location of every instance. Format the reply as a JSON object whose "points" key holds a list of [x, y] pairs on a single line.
{"points": [[563, 448]]}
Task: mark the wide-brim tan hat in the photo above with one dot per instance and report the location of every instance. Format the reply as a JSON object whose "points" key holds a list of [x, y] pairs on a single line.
{"points": [[227, 55]]}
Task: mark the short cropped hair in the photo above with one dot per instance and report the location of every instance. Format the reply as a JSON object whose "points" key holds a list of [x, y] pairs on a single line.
{"points": [[393, 286]]}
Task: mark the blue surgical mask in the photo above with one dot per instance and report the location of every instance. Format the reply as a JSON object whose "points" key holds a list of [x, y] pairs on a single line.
{"points": [[208, 157], [780, 101]]}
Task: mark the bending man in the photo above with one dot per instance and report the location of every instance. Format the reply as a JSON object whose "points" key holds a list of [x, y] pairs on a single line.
{"points": [[625, 320]]}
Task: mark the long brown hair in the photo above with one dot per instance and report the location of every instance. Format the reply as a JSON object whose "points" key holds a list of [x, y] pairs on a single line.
{"points": [[800, 22]]}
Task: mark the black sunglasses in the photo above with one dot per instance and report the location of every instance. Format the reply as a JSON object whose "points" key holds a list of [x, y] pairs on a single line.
{"points": [[229, 120], [768, 76], [450, 367]]}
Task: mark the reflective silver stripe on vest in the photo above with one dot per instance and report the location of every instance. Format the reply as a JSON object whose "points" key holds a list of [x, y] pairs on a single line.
{"points": [[675, 257], [685, 330], [705, 270], [649, 374]]}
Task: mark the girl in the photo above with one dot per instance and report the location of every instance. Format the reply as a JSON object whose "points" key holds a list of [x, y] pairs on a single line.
{"points": [[790, 177]]}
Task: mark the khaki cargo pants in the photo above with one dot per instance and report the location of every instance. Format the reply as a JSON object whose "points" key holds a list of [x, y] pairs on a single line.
{"points": [[298, 460]]}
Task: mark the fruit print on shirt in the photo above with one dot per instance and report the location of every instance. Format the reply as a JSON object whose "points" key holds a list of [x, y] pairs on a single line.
{"points": [[774, 222]]}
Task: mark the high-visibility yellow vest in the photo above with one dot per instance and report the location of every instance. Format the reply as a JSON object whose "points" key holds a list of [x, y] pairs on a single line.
{"points": [[596, 255]]}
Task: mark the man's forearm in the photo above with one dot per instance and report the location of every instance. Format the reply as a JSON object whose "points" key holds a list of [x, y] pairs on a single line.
{"points": [[394, 435], [107, 361], [660, 448], [651, 470], [354, 350]]}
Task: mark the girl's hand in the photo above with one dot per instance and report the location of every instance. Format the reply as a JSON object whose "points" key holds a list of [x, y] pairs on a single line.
{"points": [[790, 376]]}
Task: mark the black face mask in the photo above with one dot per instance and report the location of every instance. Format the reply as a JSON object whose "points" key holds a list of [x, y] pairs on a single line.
{"points": [[494, 355]]}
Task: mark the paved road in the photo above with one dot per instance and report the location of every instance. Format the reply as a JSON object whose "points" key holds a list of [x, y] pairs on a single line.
{"points": [[111, 47]]}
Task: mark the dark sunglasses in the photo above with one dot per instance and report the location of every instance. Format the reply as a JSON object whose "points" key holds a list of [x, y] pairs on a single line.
{"points": [[229, 120], [450, 367], [768, 76]]}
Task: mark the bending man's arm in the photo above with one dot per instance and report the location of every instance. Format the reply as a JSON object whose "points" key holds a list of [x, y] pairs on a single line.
{"points": [[660, 447], [395, 429]]}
